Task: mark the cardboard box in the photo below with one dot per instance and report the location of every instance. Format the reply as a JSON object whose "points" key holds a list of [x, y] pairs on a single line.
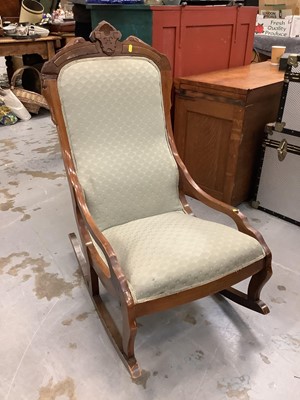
{"points": [[294, 5], [269, 13], [280, 13], [275, 4]]}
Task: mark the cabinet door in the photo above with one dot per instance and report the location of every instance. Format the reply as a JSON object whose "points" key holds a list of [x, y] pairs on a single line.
{"points": [[207, 134], [201, 39], [212, 39]]}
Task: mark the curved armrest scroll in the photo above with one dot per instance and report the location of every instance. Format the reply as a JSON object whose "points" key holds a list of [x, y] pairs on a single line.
{"points": [[238, 217]]}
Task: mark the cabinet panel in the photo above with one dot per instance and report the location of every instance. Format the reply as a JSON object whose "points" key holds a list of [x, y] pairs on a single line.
{"points": [[165, 35], [211, 51], [241, 57], [205, 136], [242, 45], [208, 149]]}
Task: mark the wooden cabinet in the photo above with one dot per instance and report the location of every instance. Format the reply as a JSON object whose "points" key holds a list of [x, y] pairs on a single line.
{"points": [[219, 123], [199, 39]]}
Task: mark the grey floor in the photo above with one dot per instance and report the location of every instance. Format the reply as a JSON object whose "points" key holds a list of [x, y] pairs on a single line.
{"points": [[52, 344]]}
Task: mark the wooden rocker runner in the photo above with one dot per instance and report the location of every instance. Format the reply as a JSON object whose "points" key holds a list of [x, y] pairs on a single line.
{"points": [[111, 103]]}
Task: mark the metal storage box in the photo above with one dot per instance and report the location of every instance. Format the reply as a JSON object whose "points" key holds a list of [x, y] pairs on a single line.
{"points": [[278, 183], [278, 189]]}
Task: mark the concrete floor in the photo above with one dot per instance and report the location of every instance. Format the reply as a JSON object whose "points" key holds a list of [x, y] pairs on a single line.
{"points": [[52, 344]]}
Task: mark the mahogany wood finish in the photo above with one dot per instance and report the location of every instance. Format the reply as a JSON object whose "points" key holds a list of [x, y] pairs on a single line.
{"points": [[219, 124], [10, 8], [105, 42]]}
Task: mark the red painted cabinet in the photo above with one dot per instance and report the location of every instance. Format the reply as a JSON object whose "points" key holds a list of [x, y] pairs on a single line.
{"points": [[202, 39]]}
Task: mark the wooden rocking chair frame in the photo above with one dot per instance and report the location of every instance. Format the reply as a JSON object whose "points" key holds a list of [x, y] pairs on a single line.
{"points": [[105, 42]]}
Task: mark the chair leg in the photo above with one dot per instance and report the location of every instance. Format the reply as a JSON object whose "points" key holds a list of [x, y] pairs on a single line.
{"points": [[129, 332], [123, 344], [252, 300], [258, 281]]}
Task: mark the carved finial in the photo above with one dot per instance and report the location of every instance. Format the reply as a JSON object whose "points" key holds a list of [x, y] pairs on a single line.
{"points": [[107, 36]]}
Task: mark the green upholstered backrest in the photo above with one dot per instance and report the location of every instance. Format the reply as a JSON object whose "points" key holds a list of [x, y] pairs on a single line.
{"points": [[113, 111]]}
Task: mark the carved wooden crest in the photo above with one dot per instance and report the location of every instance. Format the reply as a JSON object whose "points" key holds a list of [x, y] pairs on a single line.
{"points": [[108, 36], [104, 41]]}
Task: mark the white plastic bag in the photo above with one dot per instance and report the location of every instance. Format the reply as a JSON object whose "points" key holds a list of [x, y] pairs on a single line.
{"points": [[14, 104]]}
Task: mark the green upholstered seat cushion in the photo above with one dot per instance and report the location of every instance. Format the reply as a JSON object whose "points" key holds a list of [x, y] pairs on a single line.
{"points": [[167, 253]]}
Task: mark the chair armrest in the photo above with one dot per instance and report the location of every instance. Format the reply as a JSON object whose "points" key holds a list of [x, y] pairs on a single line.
{"points": [[234, 213], [117, 276]]}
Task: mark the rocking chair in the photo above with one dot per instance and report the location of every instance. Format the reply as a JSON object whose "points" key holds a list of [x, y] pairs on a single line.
{"points": [[111, 103]]}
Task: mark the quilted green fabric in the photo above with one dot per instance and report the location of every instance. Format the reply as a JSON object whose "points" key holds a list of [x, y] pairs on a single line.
{"points": [[115, 121]]}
